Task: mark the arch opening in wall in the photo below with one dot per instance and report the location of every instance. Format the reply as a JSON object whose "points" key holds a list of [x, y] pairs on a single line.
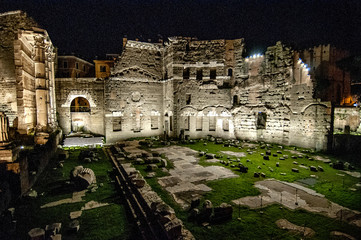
{"points": [[80, 104]]}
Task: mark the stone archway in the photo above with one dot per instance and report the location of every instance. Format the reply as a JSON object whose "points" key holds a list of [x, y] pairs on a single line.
{"points": [[79, 114]]}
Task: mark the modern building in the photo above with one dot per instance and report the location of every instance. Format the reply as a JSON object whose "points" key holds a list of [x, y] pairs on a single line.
{"points": [[71, 66]]}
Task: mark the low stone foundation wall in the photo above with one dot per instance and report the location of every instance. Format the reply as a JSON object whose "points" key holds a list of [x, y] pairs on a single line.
{"points": [[154, 217], [346, 144], [33, 162], [347, 119]]}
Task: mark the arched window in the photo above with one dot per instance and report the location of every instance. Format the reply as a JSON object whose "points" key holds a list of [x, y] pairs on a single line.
{"points": [[80, 104]]}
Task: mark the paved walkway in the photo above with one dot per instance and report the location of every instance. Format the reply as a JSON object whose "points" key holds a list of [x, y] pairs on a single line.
{"points": [[295, 196], [82, 141], [186, 180]]}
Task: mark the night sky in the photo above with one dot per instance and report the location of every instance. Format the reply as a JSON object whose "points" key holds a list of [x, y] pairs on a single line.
{"points": [[93, 28]]}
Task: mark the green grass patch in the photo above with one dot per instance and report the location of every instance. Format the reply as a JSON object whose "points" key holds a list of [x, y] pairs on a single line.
{"points": [[260, 223], [108, 222]]}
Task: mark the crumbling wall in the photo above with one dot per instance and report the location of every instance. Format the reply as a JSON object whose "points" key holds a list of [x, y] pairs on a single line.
{"points": [[347, 116], [190, 88], [67, 89], [203, 74], [140, 60], [331, 83], [135, 93], [276, 101], [133, 109]]}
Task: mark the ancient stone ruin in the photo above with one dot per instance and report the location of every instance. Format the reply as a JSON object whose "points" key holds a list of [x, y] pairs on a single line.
{"points": [[194, 89]]}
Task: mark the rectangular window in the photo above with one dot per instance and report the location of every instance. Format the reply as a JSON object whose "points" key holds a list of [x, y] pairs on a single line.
{"points": [[170, 123], [188, 99], [230, 72], [65, 64], [213, 74], [154, 122], [77, 65], [261, 120], [83, 68], [225, 125], [186, 73], [103, 68], [199, 74], [117, 124], [212, 123], [199, 123], [186, 123]]}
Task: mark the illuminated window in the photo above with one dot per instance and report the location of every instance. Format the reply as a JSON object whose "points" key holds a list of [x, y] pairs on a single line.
{"points": [[117, 124]]}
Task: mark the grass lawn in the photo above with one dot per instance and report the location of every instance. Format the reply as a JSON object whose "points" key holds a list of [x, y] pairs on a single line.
{"points": [[260, 223], [108, 222]]}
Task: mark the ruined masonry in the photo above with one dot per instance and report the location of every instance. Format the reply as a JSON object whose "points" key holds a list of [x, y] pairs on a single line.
{"points": [[195, 89]]}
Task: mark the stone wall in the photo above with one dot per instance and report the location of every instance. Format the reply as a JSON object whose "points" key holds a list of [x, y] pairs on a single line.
{"points": [[347, 116], [133, 109], [67, 89], [10, 22], [332, 83], [202, 73], [276, 101], [194, 89]]}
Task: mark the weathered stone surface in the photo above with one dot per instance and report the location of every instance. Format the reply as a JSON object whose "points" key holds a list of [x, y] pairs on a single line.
{"points": [[82, 177], [180, 83], [303, 231], [36, 233]]}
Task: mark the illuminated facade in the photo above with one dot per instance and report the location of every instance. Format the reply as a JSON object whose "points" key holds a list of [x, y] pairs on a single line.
{"points": [[195, 89]]}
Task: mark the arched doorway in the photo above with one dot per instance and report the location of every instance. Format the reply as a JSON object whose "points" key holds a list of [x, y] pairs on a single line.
{"points": [[80, 114], [80, 104]]}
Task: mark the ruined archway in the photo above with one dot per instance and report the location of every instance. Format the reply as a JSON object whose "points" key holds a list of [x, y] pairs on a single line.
{"points": [[79, 114]]}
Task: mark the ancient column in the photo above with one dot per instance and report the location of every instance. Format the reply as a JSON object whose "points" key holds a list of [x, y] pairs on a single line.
{"points": [[4, 128], [41, 91]]}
